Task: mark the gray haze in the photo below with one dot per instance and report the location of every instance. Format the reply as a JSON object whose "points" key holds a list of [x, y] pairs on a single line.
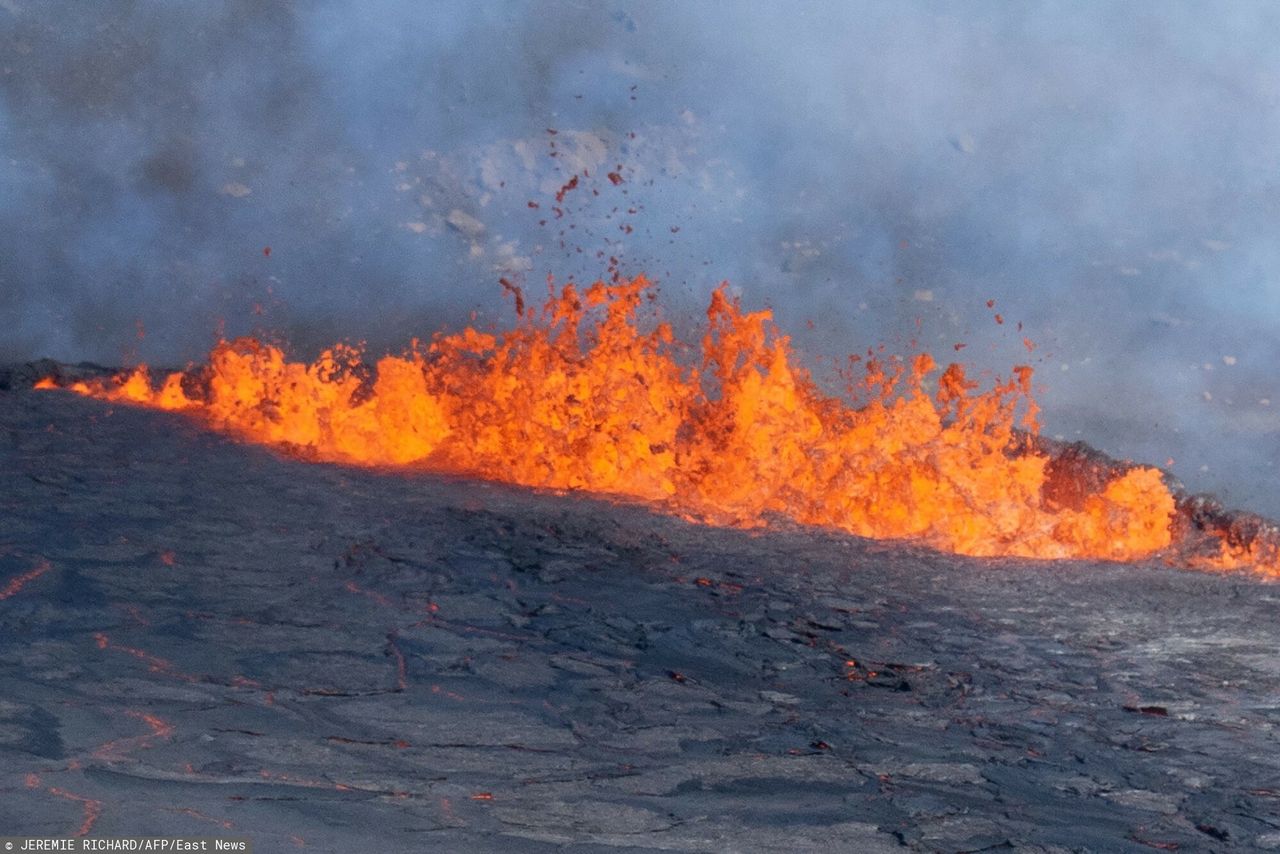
{"points": [[1106, 172]]}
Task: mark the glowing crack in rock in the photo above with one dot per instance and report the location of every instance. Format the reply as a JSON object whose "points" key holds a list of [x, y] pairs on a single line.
{"points": [[15, 585]]}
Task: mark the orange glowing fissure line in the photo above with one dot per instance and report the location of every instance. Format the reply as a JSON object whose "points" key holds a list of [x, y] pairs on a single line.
{"points": [[581, 396], [92, 808], [14, 587]]}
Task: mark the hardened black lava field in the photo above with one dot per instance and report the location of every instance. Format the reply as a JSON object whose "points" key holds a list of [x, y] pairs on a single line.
{"points": [[201, 637]]}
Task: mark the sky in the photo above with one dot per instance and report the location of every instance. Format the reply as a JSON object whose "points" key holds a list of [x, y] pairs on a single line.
{"points": [[366, 170]]}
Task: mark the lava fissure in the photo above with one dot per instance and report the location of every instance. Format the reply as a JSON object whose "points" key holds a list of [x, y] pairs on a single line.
{"points": [[583, 396]]}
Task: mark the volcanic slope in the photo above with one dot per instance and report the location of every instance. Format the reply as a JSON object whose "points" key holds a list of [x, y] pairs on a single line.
{"points": [[200, 637]]}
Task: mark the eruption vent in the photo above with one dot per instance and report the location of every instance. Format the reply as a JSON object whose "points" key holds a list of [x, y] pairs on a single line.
{"points": [[583, 396]]}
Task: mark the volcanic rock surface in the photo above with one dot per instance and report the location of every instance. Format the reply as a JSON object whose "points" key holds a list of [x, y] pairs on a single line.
{"points": [[204, 638]]}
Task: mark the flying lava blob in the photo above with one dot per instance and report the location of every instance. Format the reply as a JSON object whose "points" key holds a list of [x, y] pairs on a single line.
{"points": [[582, 395]]}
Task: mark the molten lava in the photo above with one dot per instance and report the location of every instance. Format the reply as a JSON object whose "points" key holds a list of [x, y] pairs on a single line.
{"points": [[582, 396]]}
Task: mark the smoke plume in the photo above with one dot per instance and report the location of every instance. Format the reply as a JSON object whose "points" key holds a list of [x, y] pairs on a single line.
{"points": [[1106, 173]]}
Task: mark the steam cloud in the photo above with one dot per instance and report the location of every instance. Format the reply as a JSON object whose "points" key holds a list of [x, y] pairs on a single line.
{"points": [[1107, 173]]}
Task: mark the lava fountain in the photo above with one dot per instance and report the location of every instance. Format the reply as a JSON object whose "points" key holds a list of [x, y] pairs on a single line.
{"points": [[582, 395]]}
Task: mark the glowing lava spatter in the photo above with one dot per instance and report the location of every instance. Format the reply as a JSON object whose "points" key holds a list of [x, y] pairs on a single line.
{"points": [[582, 396]]}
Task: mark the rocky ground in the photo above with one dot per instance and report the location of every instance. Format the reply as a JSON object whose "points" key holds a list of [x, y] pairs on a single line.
{"points": [[199, 637]]}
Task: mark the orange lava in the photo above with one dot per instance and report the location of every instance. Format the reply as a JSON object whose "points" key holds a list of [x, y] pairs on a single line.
{"points": [[1262, 557], [120, 748], [155, 663], [92, 808], [14, 587], [584, 396]]}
